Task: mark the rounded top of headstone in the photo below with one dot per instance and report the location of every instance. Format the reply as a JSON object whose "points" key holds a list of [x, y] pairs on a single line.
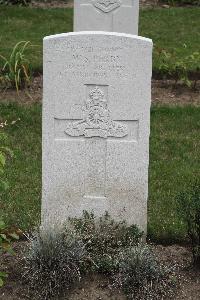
{"points": [[98, 33]]}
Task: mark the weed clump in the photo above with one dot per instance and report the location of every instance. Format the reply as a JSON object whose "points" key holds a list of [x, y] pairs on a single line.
{"points": [[141, 276], [104, 239], [57, 260], [53, 264]]}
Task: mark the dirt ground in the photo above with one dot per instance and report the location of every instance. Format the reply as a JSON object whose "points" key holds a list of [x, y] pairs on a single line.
{"points": [[163, 92], [52, 4], [97, 287]]}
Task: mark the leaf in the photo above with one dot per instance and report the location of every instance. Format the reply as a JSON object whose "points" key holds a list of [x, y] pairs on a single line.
{"points": [[7, 150], [2, 225], [6, 247], [4, 185], [1, 282], [2, 159], [3, 274], [10, 251], [4, 237], [14, 236]]}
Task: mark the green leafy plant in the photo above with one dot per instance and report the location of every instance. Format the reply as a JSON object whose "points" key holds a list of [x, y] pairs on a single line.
{"points": [[188, 207], [6, 237], [194, 59], [52, 263], [104, 238], [16, 72], [15, 2], [141, 276], [3, 276], [169, 64], [181, 2]]}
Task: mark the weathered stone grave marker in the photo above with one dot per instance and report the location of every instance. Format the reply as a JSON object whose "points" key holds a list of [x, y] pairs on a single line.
{"points": [[96, 112], [106, 15]]}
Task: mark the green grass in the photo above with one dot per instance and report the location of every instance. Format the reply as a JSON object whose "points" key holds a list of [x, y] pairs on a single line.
{"points": [[23, 23], [174, 28], [174, 160], [20, 204]]}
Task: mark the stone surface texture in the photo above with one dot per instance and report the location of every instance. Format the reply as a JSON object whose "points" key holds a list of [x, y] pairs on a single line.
{"points": [[96, 125], [107, 15]]}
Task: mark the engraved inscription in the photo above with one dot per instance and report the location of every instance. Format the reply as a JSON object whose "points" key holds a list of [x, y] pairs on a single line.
{"points": [[107, 5], [97, 121], [102, 64]]}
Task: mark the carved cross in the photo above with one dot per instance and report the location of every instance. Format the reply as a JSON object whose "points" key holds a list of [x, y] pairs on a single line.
{"points": [[96, 129]]}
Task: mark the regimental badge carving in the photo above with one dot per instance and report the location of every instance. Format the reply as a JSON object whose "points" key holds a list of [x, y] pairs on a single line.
{"points": [[107, 5], [97, 121]]}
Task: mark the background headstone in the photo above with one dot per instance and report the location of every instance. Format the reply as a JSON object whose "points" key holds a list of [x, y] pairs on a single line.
{"points": [[96, 124], [106, 15]]}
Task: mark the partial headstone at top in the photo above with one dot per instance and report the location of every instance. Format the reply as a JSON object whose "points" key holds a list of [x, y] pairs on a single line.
{"points": [[106, 15]]}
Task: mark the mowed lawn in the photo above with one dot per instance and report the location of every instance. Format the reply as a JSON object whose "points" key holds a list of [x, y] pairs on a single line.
{"points": [[174, 161], [174, 28]]}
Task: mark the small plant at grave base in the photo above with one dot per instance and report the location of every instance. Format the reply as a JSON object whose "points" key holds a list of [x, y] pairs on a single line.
{"points": [[52, 264], [16, 72], [140, 275], [57, 259], [6, 237], [104, 239], [188, 206]]}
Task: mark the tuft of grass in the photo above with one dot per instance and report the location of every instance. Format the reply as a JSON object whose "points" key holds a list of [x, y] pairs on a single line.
{"points": [[162, 25], [16, 69], [141, 276], [52, 264]]}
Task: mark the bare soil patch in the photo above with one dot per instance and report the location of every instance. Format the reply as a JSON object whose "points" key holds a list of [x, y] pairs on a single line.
{"points": [[163, 92], [97, 287], [52, 4]]}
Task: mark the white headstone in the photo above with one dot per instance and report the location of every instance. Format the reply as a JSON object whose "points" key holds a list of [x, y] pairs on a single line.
{"points": [[106, 15], [96, 124]]}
